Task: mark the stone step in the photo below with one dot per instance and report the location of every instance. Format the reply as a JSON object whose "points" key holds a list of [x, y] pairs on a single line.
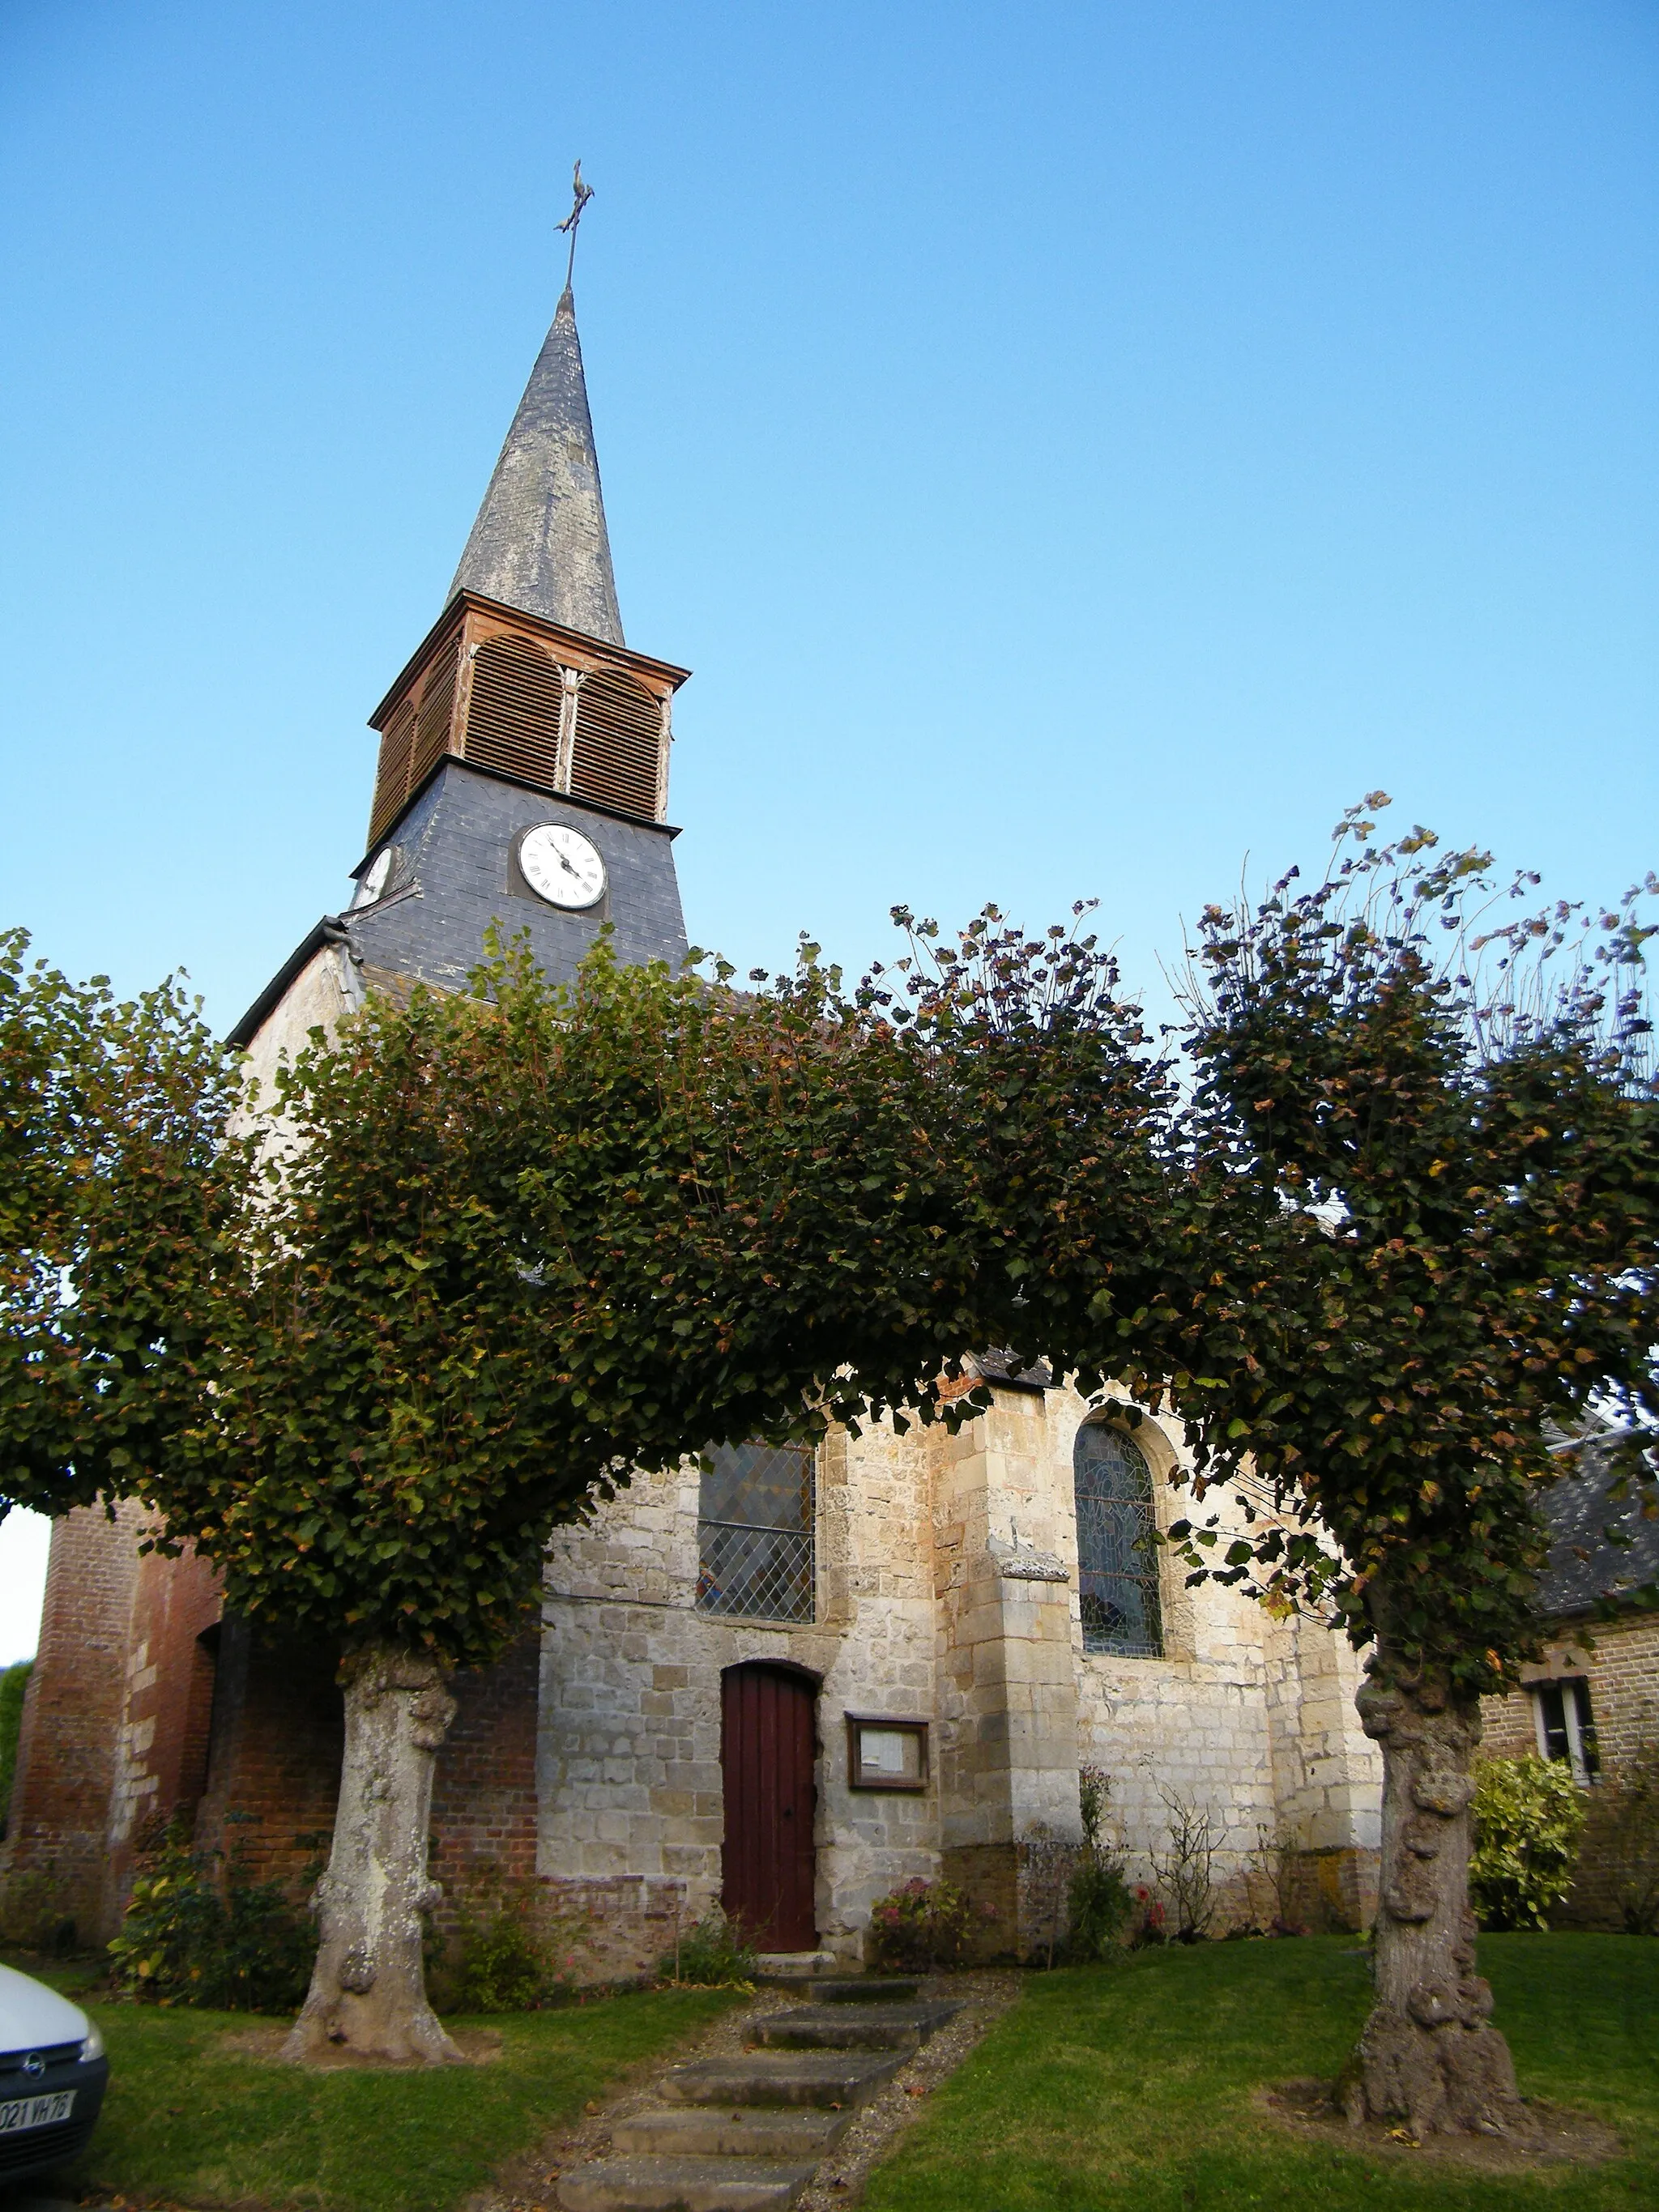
{"points": [[785, 2131], [785, 1970], [853, 2028], [683, 2185], [864, 1988], [781, 2077]]}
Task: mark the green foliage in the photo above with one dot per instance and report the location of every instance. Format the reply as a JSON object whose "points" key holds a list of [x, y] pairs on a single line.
{"points": [[919, 1925], [1100, 1904], [185, 1942], [1094, 1792], [710, 1954], [532, 1239], [1420, 1229], [510, 1959], [118, 1188], [1100, 1907], [33, 1913], [14, 1682], [1528, 1815], [1628, 1832]]}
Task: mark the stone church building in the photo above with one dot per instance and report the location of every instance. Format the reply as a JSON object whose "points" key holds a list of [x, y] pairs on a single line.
{"points": [[790, 1681]]}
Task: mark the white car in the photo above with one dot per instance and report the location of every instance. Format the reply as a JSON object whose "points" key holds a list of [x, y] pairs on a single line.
{"points": [[52, 2077]]}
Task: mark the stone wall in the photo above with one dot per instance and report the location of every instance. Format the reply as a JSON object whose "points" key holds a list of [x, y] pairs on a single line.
{"points": [[946, 1588], [1008, 1685], [629, 1775], [1328, 1776]]}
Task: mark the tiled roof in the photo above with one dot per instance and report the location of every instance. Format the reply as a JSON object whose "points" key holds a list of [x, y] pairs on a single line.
{"points": [[1584, 1565]]}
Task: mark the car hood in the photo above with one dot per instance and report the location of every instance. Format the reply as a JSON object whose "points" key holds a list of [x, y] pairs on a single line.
{"points": [[32, 2015]]}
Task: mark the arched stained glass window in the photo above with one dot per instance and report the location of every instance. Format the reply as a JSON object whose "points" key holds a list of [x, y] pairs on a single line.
{"points": [[1116, 1558]]}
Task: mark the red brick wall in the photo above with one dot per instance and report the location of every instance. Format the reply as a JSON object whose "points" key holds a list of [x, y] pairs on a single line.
{"points": [[483, 1796], [144, 1701], [161, 1760], [68, 1753], [274, 1770]]}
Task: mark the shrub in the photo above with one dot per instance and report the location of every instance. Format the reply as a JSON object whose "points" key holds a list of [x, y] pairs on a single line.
{"points": [[1630, 1829], [1047, 1863], [1099, 1904], [1528, 1816], [1185, 1868], [32, 1912], [920, 1924], [1099, 1907], [710, 1954], [1274, 1867], [13, 1681], [183, 1941], [1153, 1923], [506, 1966]]}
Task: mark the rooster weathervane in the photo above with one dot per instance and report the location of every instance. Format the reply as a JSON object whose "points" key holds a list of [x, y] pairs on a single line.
{"points": [[583, 194]]}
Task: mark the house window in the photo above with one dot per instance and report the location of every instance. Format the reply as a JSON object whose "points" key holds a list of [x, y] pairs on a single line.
{"points": [[1116, 1554], [755, 1533], [1561, 1716]]}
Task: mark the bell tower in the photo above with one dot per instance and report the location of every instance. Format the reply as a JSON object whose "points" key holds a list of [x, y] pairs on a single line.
{"points": [[523, 771], [526, 674]]}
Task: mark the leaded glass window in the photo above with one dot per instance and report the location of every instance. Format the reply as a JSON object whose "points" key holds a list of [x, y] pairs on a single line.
{"points": [[755, 1533], [1117, 1553]]}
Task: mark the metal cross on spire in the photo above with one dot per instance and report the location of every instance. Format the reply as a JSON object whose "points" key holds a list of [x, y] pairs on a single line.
{"points": [[584, 193]]}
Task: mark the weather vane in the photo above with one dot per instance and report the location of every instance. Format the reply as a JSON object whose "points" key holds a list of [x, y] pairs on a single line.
{"points": [[584, 193]]}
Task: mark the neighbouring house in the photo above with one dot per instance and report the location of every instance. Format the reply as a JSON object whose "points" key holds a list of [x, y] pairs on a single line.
{"points": [[788, 1681], [1592, 1701]]}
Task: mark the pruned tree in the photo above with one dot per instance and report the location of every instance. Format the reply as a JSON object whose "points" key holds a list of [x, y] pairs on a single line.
{"points": [[1423, 1185], [521, 1243], [517, 1245]]}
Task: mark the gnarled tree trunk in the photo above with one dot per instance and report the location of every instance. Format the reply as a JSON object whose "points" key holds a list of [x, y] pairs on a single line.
{"points": [[368, 1995], [1429, 2054]]}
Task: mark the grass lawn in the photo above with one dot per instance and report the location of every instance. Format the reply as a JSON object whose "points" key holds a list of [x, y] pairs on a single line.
{"points": [[187, 2123], [1130, 2086]]}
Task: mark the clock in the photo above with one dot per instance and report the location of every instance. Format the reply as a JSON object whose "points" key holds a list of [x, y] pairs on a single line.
{"points": [[560, 866]]}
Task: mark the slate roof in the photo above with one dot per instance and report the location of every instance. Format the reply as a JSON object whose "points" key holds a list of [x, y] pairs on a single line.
{"points": [[1584, 1567], [539, 542]]}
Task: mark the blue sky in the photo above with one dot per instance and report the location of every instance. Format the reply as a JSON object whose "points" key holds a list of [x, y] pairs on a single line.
{"points": [[1076, 446]]}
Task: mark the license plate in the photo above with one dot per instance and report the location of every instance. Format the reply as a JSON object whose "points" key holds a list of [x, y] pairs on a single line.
{"points": [[35, 2112]]}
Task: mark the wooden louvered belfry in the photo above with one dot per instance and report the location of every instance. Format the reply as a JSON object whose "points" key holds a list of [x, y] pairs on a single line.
{"points": [[521, 698]]}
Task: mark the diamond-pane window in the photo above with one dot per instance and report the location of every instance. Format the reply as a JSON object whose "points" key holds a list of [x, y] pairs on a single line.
{"points": [[1116, 1558], [755, 1533]]}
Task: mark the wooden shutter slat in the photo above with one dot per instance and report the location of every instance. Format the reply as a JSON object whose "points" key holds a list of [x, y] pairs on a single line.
{"points": [[512, 717], [617, 755]]}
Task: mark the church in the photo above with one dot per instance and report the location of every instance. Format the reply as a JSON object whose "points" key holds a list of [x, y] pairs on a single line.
{"points": [[784, 1681]]}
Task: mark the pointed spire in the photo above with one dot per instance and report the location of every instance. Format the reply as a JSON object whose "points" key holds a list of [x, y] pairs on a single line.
{"points": [[539, 543]]}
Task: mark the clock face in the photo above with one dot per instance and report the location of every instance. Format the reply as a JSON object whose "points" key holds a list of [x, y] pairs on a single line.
{"points": [[560, 866]]}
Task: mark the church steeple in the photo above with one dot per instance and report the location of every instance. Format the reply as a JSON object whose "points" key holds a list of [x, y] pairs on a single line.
{"points": [[523, 775], [539, 543]]}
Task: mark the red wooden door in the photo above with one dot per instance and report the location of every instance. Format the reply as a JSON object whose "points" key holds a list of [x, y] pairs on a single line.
{"points": [[766, 1757]]}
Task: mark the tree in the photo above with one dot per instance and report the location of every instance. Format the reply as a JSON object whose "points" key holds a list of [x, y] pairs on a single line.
{"points": [[117, 1189], [510, 1247], [1420, 1206]]}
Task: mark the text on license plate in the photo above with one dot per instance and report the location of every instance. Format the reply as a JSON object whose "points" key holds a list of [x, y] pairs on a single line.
{"points": [[35, 2112]]}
